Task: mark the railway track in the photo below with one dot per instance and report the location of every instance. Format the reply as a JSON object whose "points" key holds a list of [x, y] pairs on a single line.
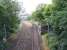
{"points": [[28, 38]]}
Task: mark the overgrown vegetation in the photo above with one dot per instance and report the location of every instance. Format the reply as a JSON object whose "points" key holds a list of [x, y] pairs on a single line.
{"points": [[8, 19], [54, 15]]}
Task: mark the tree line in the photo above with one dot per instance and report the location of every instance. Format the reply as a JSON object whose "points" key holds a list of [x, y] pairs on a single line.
{"points": [[55, 17], [9, 20]]}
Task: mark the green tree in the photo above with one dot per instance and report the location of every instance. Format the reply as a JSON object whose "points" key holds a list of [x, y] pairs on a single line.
{"points": [[9, 17], [56, 16]]}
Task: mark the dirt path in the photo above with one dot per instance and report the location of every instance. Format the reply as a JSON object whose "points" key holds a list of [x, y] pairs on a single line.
{"points": [[28, 38]]}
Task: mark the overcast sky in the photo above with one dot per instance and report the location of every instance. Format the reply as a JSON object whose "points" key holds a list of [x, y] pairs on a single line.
{"points": [[30, 5]]}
